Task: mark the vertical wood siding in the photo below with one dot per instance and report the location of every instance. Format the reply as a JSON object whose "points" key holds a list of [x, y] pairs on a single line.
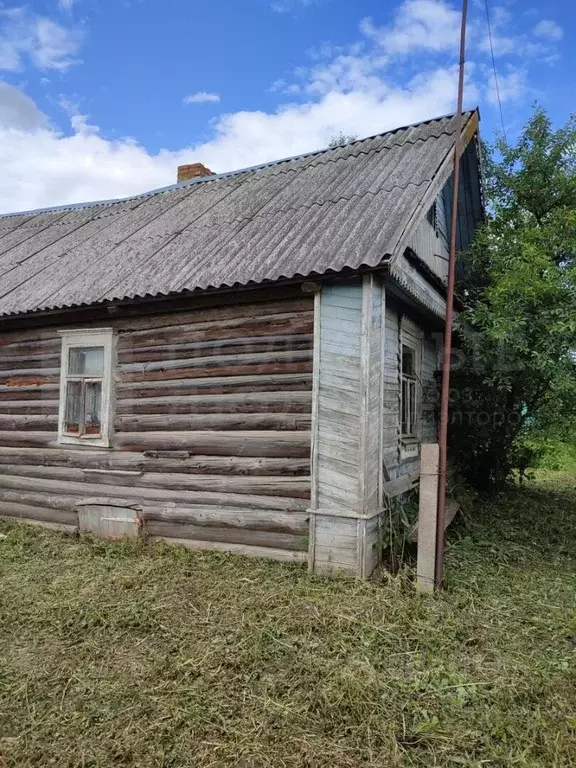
{"points": [[347, 461], [212, 427], [339, 396]]}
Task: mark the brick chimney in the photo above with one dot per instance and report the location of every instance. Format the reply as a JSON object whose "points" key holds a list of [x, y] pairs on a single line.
{"points": [[193, 171]]}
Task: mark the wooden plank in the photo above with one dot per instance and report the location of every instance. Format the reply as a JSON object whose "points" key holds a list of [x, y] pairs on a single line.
{"points": [[230, 517], [268, 443], [401, 484], [154, 461], [226, 535], [143, 495], [40, 514], [203, 422], [245, 402], [266, 485], [427, 517]]}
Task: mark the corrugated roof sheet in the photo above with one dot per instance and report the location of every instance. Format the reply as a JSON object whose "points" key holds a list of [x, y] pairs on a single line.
{"points": [[339, 208]]}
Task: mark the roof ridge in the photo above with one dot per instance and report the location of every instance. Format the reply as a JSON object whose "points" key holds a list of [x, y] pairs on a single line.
{"points": [[229, 174]]}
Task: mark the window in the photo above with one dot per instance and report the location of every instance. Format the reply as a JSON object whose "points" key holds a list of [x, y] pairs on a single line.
{"points": [[409, 393], [86, 387], [410, 343]]}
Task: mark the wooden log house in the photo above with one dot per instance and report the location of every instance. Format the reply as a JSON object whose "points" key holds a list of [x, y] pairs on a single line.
{"points": [[242, 361]]}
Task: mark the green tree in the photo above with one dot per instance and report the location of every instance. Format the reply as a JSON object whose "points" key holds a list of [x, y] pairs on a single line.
{"points": [[517, 333], [340, 139]]}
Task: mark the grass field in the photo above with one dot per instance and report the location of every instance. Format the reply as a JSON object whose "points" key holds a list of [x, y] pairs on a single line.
{"points": [[114, 654]]}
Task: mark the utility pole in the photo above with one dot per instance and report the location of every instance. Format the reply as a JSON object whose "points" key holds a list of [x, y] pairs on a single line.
{"points": [[447, 353]]}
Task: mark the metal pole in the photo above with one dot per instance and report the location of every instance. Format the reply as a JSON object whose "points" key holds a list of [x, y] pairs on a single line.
{"points": [[447, 354]]}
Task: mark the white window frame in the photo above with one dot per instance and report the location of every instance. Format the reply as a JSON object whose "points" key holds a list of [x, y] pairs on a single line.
{"points": [[88, 337], [411, 337]]}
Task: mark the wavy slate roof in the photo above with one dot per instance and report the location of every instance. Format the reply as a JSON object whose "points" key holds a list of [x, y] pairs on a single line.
{"points": [[325, 211]]}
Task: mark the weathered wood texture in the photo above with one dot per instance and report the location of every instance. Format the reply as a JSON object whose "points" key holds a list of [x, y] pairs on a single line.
{"points": [[347, 462], [395, 465], [211, 426]]}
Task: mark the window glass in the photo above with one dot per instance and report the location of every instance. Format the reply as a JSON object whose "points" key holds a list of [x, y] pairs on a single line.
{"points": [[86, 361], [408, 367], [73, 408], [92, 407], [408, 393]]}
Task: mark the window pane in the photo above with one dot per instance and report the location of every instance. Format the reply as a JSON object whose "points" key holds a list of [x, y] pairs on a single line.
{"points": [[405, 407], [408, 367], [88, 361], [92, 407], [412, 389], [73, 407]]}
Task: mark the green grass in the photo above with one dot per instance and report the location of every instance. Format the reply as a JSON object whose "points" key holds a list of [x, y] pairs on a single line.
{"points": [[114, 654]]}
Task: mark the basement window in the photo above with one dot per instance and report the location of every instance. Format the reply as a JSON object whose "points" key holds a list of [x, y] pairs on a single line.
{"points": [[86, 387]]}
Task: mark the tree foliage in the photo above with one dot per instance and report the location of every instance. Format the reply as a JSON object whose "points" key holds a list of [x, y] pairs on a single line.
{"points": [[340, 139], [515, 371]]}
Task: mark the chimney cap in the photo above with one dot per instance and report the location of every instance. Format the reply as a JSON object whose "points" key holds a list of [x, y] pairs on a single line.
{"points": [[193, 171]]}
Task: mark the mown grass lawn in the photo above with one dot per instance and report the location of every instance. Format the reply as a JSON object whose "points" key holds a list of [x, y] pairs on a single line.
{"points": [[114, 654]]}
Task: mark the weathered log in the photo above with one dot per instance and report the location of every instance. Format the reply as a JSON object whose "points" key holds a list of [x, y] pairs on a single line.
{"points": [[175, 423], [214, 385], [62, 516], [28, 392], [267, 444], [281, 403], [265, 486], [223, 347], [270, 444], [207, 316], [262, 369], [154, 461], [288, 322], [226, 535], [27, 422], [36, 378], [188, 498], [232, 517], [30, 348], [215, 361], [31, 372], [28, 407], [14, 438], [284, 555], [39, 499], [37, 362]]}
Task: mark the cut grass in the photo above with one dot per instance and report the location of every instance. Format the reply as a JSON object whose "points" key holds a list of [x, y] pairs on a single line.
{"points": [[115, 654]]}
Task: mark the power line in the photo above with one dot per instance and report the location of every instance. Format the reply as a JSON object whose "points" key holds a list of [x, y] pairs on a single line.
{"points": [[495, 72]]}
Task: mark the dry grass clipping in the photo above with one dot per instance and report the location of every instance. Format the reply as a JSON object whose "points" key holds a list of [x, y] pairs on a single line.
{"points": [[115, 654]]}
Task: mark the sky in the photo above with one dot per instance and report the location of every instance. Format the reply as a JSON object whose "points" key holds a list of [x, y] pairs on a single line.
{"points": [[101, 99]]}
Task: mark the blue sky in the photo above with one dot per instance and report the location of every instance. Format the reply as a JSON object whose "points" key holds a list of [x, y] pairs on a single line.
{"points": [[104, 98]]}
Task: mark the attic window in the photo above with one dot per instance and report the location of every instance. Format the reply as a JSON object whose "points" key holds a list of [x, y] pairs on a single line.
{"points": [[86, 387], [432, 217]]}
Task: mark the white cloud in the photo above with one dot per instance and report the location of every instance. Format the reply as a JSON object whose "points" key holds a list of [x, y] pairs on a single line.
{"points": [[431, 25], [548, 30], [508, 42], [27, 37], [202, 97], [66, 5], [18, 111], [362, 89], [41, 167]]}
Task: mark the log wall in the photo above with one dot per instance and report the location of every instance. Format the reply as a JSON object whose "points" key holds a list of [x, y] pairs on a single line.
{"points": [[211, 427]]}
